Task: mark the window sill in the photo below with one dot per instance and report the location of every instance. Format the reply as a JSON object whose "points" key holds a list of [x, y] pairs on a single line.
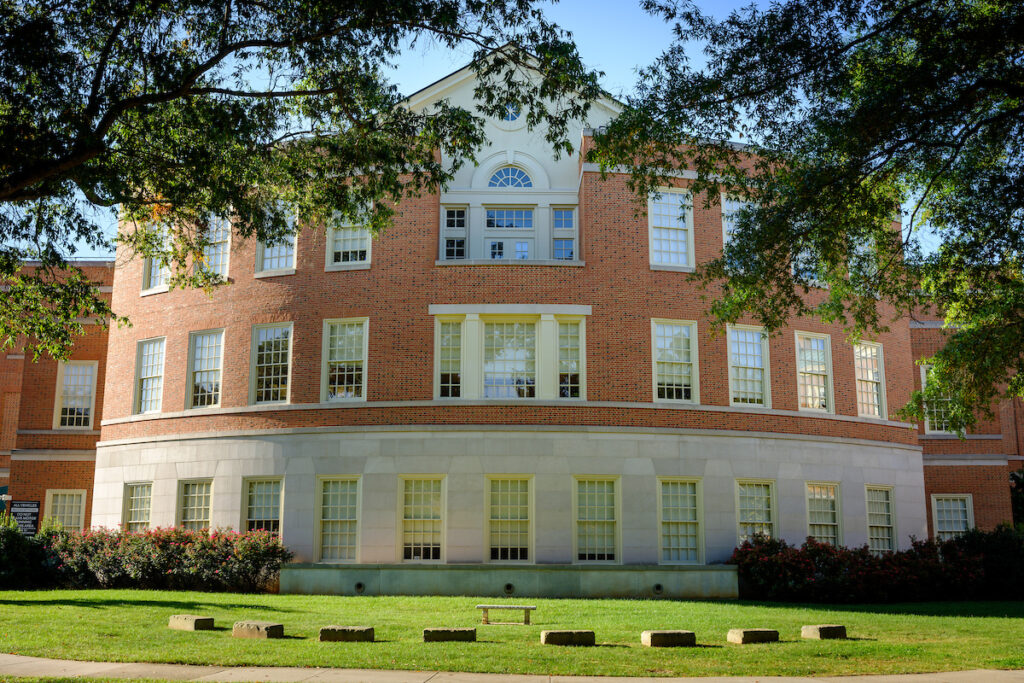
{"points": [[814, 411], [354, 399], [673, 269], [676, 402], [358, 265], [154, 290], [274, 273], [509, 262]]}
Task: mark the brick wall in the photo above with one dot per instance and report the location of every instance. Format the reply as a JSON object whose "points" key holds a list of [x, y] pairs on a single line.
{"points": [[988, 486]]}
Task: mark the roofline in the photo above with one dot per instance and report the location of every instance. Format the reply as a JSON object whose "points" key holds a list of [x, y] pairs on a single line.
{"points": [[78, 262]]}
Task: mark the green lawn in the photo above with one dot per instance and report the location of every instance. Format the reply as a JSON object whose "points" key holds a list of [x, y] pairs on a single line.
{"points": [[130, 626]]}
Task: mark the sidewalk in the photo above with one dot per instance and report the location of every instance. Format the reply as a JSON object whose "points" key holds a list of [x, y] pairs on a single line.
{"points": [[16, 665]]}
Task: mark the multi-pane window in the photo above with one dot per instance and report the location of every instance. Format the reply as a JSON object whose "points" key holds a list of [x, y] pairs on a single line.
{"points": [[455, 219], [77, 394], [510, 354], [823, 512], [421, 519], [813, 371], [271, 352], [194, 504], [596, 520], [509, 219], [455, 249], [278, 255], [450, 359], [205, 370], [748, 355], [936, 411], [563, 250], [338, 519], [66, 508], [569, 360], [670, 219], [510, 176], [881, 521], [953, 515], [346, 353], [870, 379], [149, 375], [756, 511], [674, 356], [156, 273], [350, 244], [730, 210], [680, 521], [215, 254], [497, 250], [509, 521], [263, 505], [137, 503], [563, 219], [522, 250]]}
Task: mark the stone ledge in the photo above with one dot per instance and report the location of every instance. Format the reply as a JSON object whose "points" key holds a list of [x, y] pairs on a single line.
{"points": [[440, 635], [576, 638], [823, 632], [346, 634], [190, 622], [257, 629], [743, 636], [668, 639]]}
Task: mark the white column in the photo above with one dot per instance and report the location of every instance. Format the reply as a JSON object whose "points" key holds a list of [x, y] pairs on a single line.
{"points": [[472, 356], [547, 357]]}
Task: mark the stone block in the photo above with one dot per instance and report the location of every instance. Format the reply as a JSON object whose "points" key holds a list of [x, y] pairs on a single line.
{"points": [[579, 638], [668, 639], [257, 629], [439, 635], [824, 632], [753, 635], [190, 622], [346, 634]]}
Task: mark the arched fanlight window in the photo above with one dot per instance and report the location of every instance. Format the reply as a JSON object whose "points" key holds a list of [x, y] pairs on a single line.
{"points": [[511, 113], [510, 176]]}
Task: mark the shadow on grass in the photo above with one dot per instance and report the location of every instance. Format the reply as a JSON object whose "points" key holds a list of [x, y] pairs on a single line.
{"points": [[980, 609], [169, 604]]}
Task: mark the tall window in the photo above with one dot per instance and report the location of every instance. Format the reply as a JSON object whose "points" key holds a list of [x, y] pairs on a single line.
{"points": [[215, 254], [509, 219], [936, 411], [338, 519], [680, 521], [76, 394], [455, 249], [149, 375], [263, 505], [731, 209], [454, 223], [155, 272], [509, 519], [510, 368], [67, 507], [421, 519], [823, 512], [349, 244], [952, 514], [813, 371], [756, 513], [345, 359], [870, 379], [205, 368], [670, 222], [271, 363], [510, 176], [449, 350], [881, 520], [596, 520], [748, 367], [675, 355], [569, 360], [278, 255], [194, 504], [563, 250], [137, 503]]}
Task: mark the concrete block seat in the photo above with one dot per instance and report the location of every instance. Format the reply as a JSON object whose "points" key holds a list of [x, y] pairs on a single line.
{"points": [[526, 613], [743, 636], [668, 639], [257, 629], [577, 638], [823, 632], [190, 622], [346, 634], [440, 635]]}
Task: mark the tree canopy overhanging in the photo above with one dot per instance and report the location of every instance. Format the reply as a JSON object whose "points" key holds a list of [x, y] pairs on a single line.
{"points": [[849, 112], [176, 113]]}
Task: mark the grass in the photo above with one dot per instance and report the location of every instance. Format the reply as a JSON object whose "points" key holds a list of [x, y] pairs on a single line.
{"points": [[130, 626]]}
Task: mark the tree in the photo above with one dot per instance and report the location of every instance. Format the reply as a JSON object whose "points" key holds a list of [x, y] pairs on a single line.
{"points": [[176, 113], [848, 110]]}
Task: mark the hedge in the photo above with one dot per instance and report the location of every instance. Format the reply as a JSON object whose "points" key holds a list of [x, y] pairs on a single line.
{"points": [[979, 565]]}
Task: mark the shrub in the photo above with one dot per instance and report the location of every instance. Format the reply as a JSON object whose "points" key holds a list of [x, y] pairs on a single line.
{"points": [[977, 565]]}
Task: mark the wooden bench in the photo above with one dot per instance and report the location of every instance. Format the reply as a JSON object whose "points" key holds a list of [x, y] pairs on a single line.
{"points": [[526, 613]]}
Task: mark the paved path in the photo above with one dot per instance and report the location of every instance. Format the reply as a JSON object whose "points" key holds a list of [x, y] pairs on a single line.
{"points": [[16, 665]]}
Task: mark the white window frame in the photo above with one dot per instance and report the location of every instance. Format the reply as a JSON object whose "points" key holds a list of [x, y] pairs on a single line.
{"points": [[928, 429], [830, 401], [773, 506], [530, 510], [318, 527], [686, 198], [227, 247], [883, 409], [179, 499], [244, 512], [723, 200], [838, 512], [335, 227], [969, 498], [699, 486], [252, 363], [58, 399], [443, 522], [190, 369], [440, 320], [126, 504], [617, 492], [325, 358], [767, 403], [694, 361], [149, 263], [892, 512], [50, 493], [137, 393], [288, 270]]}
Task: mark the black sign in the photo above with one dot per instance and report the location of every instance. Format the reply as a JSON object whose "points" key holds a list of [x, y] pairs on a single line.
{"points": [[26, 514]]}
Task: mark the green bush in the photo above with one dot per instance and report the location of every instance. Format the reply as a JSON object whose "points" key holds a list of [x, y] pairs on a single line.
{"points": [[24, 561]]}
